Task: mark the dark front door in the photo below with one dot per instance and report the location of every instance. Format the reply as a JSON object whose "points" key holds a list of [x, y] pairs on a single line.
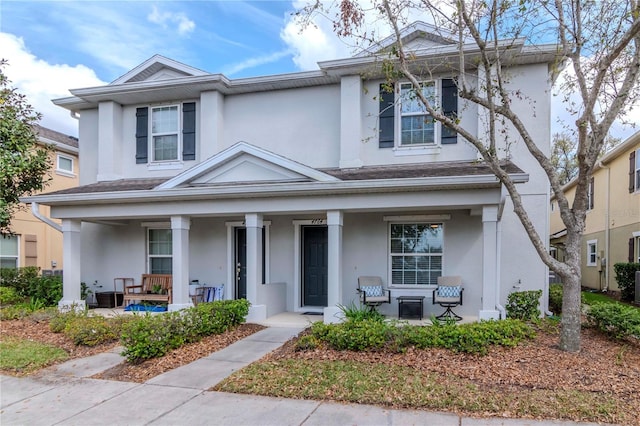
{"points": [[314, 265], [241, 263]]}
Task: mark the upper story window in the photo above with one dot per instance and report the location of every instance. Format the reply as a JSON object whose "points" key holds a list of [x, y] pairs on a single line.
{"points": [[64, 164], [591, 194], [634, 171], [417, 127], [404, 121], [416, 251], [169, 135], [8, 252], [165, 125]]}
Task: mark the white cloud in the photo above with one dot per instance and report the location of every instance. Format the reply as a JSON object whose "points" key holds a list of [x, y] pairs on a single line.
{"points": [[254, 62], [185, 25], [41, 82]]}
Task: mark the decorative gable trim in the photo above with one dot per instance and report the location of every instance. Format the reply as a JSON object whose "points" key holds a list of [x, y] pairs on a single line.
{"points": [[149, 69], [237, 150]]}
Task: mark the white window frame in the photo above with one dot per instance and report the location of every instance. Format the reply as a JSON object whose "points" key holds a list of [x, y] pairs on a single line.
{"points": [[592, 253], [61, 170], [392, 255], [149, 256], [17, 255], [637, 171], [436, 84], [177, 132]]}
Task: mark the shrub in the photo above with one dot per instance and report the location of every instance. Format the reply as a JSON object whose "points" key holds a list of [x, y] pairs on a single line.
{"points": [[9, 296], [28, 283], [354, 312], [60, 320], [615, 319], [360, 335], [626, 279], [90, 331], [153, 336], [523, 305], [555, 298]]}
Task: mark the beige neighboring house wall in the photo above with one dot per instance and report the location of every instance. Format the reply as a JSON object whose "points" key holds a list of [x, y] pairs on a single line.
{"points": [[38, 243], [612, 229]]}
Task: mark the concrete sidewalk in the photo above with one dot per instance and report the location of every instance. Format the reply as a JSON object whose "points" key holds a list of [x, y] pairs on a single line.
{"points": [[65, 395]]}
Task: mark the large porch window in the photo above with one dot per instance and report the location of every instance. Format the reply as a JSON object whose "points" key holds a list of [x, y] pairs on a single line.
{"points": [[416, 251], [160, 251]]}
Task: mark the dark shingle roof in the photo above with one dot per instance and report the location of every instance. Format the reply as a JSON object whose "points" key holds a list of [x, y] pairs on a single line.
{"points": [[397, 171], [56, 136]]}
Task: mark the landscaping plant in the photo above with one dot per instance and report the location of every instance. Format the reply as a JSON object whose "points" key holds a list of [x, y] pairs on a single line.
{"points": [[523, 305], [626, 279], [615, 319]]}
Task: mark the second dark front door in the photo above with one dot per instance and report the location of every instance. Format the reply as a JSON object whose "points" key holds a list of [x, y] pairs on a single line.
{"points": [[314, 265], [241, 263]]}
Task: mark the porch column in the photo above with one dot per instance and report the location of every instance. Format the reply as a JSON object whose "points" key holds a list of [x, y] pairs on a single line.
{"points": [[253, 224], [489, 263], [71, 252], [180, 226], [334, 265]]}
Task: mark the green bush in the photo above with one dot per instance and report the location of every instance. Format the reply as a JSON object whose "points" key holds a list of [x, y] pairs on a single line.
{"points": [[9, 296], [90, 331], [28, 283], [369, 335], [555, 298], [626, 279], [153, 336], [523, 305], [59, 321], [615, 319], [354, 312]]}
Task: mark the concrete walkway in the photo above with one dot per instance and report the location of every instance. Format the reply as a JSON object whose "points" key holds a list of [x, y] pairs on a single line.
{"points": [[65, 395]]}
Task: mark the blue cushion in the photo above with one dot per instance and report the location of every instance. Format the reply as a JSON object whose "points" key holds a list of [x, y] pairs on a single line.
{"points": [[372, 290], [449, 291]]}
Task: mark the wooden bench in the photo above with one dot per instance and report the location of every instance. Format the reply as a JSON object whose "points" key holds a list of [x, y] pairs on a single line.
{"points": [[148, 289]]}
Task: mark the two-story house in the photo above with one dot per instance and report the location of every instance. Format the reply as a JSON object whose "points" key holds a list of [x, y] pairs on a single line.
{"points": [[612, 225], [287, 188], [35, 243]]}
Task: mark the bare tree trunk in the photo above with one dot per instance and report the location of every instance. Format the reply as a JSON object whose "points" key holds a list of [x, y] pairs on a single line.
{"points": [[571, 276]]}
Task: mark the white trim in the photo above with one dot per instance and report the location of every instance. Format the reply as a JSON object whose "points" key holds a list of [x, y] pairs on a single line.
{"points": [[422, 148], [297, 261], [156, 225], [165, 165], [177, 133], [158, 59], [592, 243], [635, 234], [158, 256], [417, 218]]}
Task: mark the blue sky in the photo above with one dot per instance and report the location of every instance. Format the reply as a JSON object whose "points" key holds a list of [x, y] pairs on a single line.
{"points": [[56, 45]]}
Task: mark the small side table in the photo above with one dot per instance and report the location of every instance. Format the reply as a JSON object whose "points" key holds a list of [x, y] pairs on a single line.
{"points": [[410, 307]]}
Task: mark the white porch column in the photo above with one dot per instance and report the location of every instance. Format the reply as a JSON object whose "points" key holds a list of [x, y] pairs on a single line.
{"points": [[334, 265], [71, 252], [180, 226], [254, 224], [489, 263]]}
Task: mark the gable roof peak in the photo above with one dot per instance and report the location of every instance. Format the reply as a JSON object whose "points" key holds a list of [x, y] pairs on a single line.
{"points": [[155, 64], [413, 31]]}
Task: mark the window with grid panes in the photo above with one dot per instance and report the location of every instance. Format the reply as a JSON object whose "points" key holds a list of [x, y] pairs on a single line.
{"points": [[160, 251], [416, 251]]}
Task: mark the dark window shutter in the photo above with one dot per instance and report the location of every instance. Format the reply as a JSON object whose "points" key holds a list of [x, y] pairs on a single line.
{"points": [[142, 134], [450, 109], [591, 193], [387, 118], [632, 251], [189, 131], [632, 171]]}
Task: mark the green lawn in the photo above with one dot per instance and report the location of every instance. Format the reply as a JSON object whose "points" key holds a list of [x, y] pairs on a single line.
{"points": [[589, 298], [24, 356]]}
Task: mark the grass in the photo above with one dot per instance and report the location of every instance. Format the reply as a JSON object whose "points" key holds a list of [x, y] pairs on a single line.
{"points": [[589, 298], [25, 356], [404, 387]]}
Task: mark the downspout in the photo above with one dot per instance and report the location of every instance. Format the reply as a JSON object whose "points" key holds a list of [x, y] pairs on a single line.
{"points": [[35, 210], [499, 307]]}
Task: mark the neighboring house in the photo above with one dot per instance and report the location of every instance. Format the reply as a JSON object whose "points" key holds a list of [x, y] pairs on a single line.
{"points": [[612, 226], [286, 188], [36, 243]]}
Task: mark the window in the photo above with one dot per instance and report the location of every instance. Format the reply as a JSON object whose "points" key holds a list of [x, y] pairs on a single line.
{"points": [[160, 251], [64, 164], [416, 251], [8, 252], [404, 121], [592, 252], [164, 133], [417, 127]]}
